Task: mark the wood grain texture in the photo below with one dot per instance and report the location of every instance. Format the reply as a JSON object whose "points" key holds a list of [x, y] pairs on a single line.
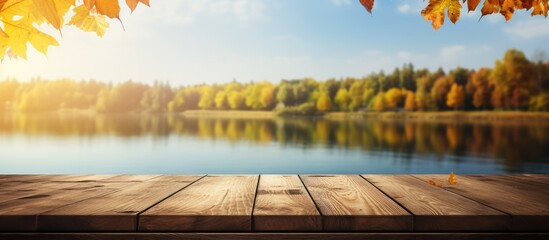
{"points": [[350, 203], [20, 214], [130, 178], [283, 204], [82, 178], [526, 203], [436, 209], [27, 177], [27, 189], [213, 203], [276, 236], [113, 212]]}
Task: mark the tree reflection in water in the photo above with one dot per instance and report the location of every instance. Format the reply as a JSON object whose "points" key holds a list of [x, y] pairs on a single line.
{"points": [[510, 142]]}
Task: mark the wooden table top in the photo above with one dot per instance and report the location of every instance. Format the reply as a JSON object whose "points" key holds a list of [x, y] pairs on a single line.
{"points": [[273, 203]]}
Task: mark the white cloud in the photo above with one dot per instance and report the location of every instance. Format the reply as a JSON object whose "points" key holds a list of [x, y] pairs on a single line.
{"points": [[188, 11], [404, 55], [404, 8], [341, 2], [528, 29], [451, 52]]}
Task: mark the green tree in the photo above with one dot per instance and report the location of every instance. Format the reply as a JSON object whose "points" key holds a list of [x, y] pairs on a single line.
{"points": [[285, 95]]}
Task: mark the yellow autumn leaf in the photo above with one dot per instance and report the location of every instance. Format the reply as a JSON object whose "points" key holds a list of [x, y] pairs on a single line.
{"points": [[41, 41], [48, 9], [436, 10], [89, 23], [3, 34], [452, 179]]}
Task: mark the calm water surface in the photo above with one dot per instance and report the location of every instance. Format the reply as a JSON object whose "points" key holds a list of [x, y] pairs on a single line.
{"points": [[144, 144]]}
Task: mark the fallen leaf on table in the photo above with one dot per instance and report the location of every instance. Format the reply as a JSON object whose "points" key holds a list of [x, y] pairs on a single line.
{"points": [[452, 179]]}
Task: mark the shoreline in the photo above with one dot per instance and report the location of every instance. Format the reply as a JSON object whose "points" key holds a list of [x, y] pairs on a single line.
{"points": [[483, 116]]}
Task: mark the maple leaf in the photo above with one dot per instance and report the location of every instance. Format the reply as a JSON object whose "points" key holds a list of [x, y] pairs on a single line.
{"points": [[436, 9], [452, 179], [132, 4], [88, 23], [368, 4]]}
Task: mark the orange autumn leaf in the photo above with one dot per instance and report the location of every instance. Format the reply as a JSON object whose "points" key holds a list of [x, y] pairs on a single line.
{"points": [[436, 11], [108, 8], [132, 4], [472, 4], [368, 4], [452, 179], [541, 7], [431, 182], [439, 184]]}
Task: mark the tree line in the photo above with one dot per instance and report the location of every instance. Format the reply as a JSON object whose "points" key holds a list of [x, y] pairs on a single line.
{"points": [[513, 83]]}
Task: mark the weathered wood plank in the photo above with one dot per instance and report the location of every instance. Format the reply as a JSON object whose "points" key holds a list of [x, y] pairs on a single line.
{"points": [[83, 177], [276, 236], [25, 189], [436, 209], [112, 212], [130, 178], [20, 214], [526, 203], [213, 203], [536, 179], [283, 204], [350, 203], [27, 177]]}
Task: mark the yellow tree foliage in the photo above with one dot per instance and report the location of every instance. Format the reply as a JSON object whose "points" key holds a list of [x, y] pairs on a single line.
{"points": [[394, 98], [324, 103], [455, 96], [21, 21], [437, 10]]}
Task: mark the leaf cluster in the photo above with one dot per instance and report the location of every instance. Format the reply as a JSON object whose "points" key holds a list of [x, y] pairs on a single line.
{"points": [[21, 21], [437, 10]]}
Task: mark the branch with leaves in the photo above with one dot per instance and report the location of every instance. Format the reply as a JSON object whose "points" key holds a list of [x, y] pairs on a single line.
{"points": [[21, 20], [437, 10]]}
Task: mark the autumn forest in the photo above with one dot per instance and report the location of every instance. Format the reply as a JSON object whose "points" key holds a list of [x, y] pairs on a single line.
{"points": [[514, 83]]}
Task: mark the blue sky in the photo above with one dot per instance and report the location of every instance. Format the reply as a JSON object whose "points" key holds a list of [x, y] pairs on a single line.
{"points": [[195, 41]]}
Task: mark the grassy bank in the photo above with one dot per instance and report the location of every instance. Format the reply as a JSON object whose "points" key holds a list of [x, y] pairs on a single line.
{"points": [[460, 116], [419, 116]]}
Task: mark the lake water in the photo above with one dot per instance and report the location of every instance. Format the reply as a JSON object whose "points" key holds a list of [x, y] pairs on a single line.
{"points": [[145, 144]]}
